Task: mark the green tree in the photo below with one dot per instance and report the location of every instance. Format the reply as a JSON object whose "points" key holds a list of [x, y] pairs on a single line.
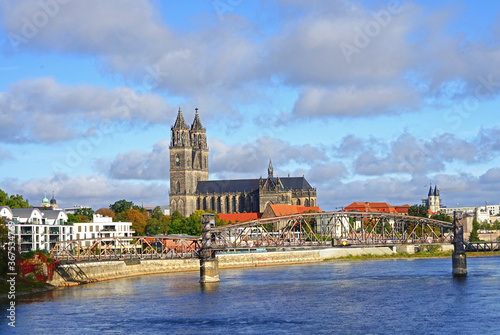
{"points": [[156, 227], [14, 201], [442, 217], [157, 213], [73, 218], [88, 212], [474, 236], [418, 210], [121, 206], [177, 223]]}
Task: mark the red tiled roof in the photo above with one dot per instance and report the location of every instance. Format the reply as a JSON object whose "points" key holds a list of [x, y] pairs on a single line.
{"points": [[282, 210], [239, 217], [372, 207]]}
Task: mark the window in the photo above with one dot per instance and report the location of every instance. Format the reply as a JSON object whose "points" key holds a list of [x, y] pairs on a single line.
{"points": [[79, 230], [178, 187]]}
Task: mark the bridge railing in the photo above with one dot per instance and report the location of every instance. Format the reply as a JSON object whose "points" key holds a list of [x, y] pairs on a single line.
{"points": [[123, 248], [482, 246]]}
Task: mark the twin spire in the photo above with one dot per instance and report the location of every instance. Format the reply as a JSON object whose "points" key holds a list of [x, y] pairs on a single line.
{"points": [[183, 136], [181, 124]]}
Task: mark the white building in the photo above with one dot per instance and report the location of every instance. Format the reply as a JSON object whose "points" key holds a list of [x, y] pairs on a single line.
{"points": [[72, 210], [101, 227], [6, 213], [39, 229], [480, 213]]}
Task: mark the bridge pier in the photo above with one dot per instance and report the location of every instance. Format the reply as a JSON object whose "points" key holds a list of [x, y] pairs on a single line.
{"points": [[209, 265], [459, 258]]}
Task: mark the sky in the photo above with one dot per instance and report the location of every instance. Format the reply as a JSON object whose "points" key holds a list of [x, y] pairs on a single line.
{"points": [[369, 100]]}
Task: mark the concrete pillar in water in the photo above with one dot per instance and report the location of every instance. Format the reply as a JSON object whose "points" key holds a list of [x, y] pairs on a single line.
{"points": [[459, 258], [209, 265]]}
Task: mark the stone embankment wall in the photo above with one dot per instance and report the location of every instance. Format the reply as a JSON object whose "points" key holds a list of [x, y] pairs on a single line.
{"points": [[73, 274]]}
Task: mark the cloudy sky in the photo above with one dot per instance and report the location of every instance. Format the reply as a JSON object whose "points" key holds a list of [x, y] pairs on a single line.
{"points": [[369, 100]]}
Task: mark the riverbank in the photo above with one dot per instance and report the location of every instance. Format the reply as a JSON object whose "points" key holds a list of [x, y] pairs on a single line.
{"points": [[23, 286]]}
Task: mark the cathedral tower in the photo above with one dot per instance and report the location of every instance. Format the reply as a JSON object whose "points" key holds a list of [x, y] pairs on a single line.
{"points": [[188, 163]]}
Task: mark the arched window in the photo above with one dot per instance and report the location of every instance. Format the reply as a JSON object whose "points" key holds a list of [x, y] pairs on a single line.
{"points": [[194, 140], [178, 137], [199, 140], [298, 202], [306, 203], [178, 187], [182, 138]]}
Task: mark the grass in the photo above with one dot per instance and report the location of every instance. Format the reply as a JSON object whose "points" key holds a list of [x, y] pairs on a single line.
{"points": [[23, 285]]}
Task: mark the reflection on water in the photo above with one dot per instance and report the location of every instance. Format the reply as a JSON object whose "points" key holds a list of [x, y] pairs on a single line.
{"points": [[378, 297]]}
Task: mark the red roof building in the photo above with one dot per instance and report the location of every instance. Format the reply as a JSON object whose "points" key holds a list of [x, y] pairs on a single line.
{"points": [[239, 217], [380, 207], [283, 210]]}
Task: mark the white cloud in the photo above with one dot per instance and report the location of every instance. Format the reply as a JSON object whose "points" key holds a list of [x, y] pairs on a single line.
{"points": [[89, 190], [44, 110], [355, 101], [140, 165]]}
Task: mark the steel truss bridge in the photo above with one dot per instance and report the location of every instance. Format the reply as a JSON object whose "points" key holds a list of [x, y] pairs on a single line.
{"points": [[330, 229], [307, 230]]}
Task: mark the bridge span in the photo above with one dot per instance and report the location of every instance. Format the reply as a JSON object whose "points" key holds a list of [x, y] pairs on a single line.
{"points": [[301, 231], [308, 230]]}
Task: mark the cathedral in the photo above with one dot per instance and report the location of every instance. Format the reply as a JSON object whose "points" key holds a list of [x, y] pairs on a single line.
{"points": [[191, 190]]}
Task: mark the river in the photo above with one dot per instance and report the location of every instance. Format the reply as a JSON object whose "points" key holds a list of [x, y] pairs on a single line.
{"points": [[418, 296]]}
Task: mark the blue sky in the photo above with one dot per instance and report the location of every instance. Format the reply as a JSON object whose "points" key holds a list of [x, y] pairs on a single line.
{"points": [[369, 100]]}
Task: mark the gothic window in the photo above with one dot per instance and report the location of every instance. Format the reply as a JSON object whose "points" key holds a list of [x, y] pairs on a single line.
{"points": [[228, 205], [182, 138], [194, 140], [178, 137], [199, 140], [242, 203], [306, 203], [298, 202], [219, 205], [213, 203], [178, 187]]}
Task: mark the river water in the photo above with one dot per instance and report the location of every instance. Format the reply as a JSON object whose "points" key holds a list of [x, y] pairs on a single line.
{"points": [[417, 296]]}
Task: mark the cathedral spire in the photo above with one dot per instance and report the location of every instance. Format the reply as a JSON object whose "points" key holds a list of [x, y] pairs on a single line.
{"points": [[179, 122], [196, 123], [270, 169]]}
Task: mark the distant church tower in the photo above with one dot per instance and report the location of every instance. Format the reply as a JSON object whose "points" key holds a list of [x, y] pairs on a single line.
{"points": [[433, 200], [188, 163]]}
